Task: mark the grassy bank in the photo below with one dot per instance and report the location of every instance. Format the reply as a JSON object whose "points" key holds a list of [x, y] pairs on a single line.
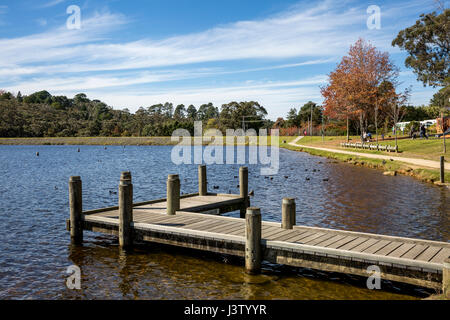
{"points": [[388, 167], [430, 149], [102, 141]]}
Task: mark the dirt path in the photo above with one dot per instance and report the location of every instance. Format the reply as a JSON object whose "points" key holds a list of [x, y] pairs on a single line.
{"points": [[413, 161]]}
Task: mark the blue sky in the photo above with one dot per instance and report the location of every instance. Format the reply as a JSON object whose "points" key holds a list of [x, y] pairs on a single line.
{"points": [[139, 53]]}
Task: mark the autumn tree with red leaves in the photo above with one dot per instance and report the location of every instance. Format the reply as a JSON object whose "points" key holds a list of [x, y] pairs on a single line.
{"points": [[355, 90]]}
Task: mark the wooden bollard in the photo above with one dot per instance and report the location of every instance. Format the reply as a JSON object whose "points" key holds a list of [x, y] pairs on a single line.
{"points": [[288, 213], [202, 181], [446, 278], [76, 210], [125, 212], [243, 188], [442, 170], [253, 252], [173, 194], [126, 175]]}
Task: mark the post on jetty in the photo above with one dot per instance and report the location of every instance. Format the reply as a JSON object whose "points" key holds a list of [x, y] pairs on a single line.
{"points": [[446, 278], [173, 194], [243, 188], [76, 210], [202, 181], [125, 210], [253, 252], [442, 170], [288, 213]]}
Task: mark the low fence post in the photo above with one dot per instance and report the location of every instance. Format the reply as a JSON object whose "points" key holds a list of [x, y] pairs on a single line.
{"points": [[253, 252], [442, 167]]}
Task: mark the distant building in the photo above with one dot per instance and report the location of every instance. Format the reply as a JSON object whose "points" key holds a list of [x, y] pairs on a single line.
{"points": [[428, 123]]}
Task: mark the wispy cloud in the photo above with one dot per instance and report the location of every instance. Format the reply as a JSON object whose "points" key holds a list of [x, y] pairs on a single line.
{"points": [[52, 3], [42, 22], [323, 30]]}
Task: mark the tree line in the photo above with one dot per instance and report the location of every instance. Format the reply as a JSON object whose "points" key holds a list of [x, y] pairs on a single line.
{"points": [[42, 115]]}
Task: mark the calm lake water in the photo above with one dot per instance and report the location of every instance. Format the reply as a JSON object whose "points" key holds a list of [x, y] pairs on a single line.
{"points": [[35, 248]]}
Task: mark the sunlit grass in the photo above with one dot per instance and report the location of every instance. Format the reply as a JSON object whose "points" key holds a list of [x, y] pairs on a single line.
{"points": [[418, 148]]}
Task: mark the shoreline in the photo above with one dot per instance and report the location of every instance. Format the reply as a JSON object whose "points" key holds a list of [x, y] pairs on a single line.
{"points": [[392, 168]]}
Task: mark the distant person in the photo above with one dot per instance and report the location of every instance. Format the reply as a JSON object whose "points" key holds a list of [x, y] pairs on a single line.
{"points": [[304, 132], [423, 132], [382, 136], [369, 136], [411, 132]]}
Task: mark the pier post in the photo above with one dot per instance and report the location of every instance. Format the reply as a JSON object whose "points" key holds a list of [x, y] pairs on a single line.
{"points": [[442, 170], [126, 175], [173, 194], [253, 252], [76, 210], [202, 181], [288, 213], [125, 210], [243, 188], [446, 278]]}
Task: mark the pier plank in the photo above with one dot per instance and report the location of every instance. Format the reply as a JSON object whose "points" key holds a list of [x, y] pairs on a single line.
{"points": [[285, 234], [300, 234], [377, 246], [428, 253], [414, 252], [341, 242], [353, 244], [441, 256], [389, 248], [331, 240], [312, 237], [405, 247], [365, 245]]}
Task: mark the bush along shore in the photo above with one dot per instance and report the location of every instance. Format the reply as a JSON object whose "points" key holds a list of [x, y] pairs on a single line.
{"points": [[391, 168]]}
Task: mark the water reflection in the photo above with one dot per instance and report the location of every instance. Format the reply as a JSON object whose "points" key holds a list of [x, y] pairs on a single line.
{"points": [[160, 272]]}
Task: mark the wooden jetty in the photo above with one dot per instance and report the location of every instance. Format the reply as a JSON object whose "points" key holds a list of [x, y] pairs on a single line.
{"points": [[192, 221]]}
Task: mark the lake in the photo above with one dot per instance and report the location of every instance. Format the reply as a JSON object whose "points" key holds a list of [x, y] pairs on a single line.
{"points": [[35, 248]]}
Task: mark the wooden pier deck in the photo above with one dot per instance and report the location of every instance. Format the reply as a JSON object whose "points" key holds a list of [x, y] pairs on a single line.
{"points": [[413, 261]]}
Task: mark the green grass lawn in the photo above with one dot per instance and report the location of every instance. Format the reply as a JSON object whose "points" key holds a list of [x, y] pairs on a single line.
{"points": [[430, 149]]}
